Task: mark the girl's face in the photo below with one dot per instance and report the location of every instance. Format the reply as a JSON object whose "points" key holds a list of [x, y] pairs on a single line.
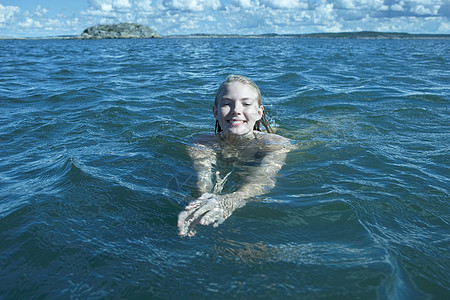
{"points": [[238, 109]]}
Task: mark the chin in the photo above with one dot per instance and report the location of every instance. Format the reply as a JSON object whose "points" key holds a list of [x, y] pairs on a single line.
{"points": [[235, 131]]}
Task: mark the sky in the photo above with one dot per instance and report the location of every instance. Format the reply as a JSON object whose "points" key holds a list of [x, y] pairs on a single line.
{"points": [[43, 18]]}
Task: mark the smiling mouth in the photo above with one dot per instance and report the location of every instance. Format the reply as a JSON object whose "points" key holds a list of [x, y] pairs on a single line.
{"points": [[236, 122]]}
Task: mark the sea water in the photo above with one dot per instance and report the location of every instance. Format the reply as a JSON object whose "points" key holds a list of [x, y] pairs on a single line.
{"points": [[94, 170]]}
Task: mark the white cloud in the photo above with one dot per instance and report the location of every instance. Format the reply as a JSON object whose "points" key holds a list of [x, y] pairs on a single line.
{"points": [[7, 13], [192, 5], [345, 4], [256, 16], [418, 7], [285, 4], [29, 22], [421, 10], [360, 4], [324, 12], [444, 27], [71, 22], [398, 6], [101, 5], [144, 5], [40, 12], [238, 16], [121, 4], [243, 3]]}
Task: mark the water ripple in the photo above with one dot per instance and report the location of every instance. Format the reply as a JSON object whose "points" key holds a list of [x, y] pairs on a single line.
{"points": [[94, 169]]}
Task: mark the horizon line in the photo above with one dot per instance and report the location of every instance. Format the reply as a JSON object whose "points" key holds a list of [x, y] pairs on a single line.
{"points": [[206, 35]]}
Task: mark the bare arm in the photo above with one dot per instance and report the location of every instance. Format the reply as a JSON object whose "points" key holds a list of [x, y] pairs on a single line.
{"points": [[260, 181], [263, 177], [203, 160], [215, 209]]}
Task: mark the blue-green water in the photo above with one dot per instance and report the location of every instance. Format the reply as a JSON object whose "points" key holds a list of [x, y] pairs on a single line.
{"points": [[93, 170]]}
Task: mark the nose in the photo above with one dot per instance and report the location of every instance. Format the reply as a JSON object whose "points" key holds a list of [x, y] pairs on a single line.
{"points": [[237, 108]]}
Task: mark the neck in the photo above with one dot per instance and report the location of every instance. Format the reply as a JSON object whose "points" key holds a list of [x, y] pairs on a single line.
{"points": [[235, 139]]}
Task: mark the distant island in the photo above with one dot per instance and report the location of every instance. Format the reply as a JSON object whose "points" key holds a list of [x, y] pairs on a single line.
{"points": [[138, 31], [119, 31], [333, 35]]}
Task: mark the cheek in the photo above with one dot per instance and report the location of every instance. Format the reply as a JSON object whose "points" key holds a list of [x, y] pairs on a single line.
{"points": [[223, 111], [255, 113]]}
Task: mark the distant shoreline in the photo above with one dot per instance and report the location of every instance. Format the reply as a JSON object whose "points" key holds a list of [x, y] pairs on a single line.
{"points": [[337, 35]]}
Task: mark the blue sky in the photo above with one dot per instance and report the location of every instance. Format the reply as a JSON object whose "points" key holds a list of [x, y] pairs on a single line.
{"points": [[34, 18]]}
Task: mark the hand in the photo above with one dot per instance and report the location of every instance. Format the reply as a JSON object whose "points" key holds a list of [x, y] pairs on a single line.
{"points": [[207, 209]]}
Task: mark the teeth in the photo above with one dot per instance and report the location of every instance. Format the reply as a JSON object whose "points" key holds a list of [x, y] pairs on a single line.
{"points": [[236, 122]]}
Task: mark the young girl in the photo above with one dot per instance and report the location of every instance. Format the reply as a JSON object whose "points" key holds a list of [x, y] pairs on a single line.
{"points": [[249, 158]]}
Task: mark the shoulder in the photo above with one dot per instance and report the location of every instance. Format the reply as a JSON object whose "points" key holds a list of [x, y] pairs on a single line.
{"points": [[272, 138], [203, 143], [274, 141], [206, 139]]}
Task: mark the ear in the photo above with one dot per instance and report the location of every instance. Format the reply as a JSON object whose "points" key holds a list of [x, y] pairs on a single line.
{"points": [[215, 112], [260, 112]]}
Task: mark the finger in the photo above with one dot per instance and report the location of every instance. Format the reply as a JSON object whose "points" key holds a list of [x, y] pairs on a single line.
{"points": [[187, 230], [194, 204], [191, 233], [206, 196], [187, 218], [203, 210], [182, 216], [210, 217], [195, 210], [219, 221], [199, 201], [184, 222], [182, 226]]}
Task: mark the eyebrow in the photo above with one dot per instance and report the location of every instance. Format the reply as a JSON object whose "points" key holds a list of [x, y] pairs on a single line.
{"points": [[242, 99]]}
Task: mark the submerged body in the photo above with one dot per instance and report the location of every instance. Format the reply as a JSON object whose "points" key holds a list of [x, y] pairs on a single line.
{"points": [[253, 162], [255, 157]]}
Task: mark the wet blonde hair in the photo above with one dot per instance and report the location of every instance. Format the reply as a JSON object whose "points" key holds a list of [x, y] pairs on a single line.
{"points": [[246, 81]]}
